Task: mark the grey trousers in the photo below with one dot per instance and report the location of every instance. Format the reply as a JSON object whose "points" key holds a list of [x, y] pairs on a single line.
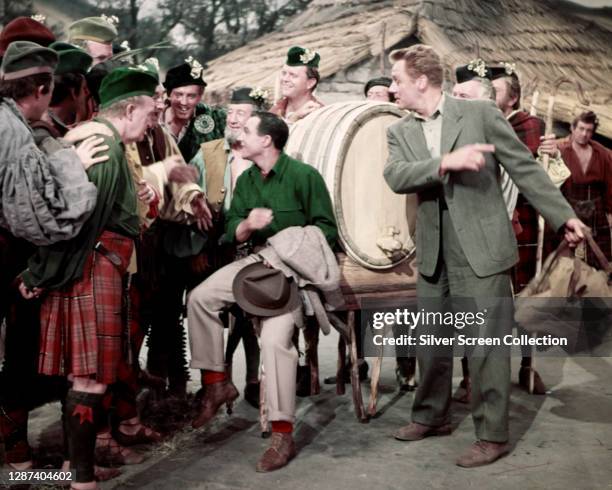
{"points": [[279, 357], [455, 287]]}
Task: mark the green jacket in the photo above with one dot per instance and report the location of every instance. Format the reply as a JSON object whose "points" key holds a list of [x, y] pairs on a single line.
{"points": [[207, 124], [474, 199], [57, 265]]}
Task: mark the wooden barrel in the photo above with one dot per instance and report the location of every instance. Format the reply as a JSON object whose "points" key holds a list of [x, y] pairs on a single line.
{"points": [[347, 143]]}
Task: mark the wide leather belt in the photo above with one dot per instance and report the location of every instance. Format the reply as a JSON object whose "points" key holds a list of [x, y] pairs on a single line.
{"points": [[110, 255]]}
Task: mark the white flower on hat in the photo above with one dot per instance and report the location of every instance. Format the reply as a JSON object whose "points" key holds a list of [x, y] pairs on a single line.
{"points": [[307, 56], [39, 18], [478, 66], [112, 19], [152, 61], [260, 95], [197, 70], [510, 68]]}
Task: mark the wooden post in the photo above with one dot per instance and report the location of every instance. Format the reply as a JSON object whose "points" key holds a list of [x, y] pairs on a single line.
{"points": [[311, 339], [383, 31], [545, 160], [357, 397], [534, 102], [374, 383], [340, 390]]}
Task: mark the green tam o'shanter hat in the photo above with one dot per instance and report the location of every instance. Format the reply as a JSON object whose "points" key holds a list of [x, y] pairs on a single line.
{"points": [[24, 58], [151, 66], [298, 56], [71, 58], [125, 82], [98, 29]]}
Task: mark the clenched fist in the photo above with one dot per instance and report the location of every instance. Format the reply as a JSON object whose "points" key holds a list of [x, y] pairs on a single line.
{"points": [[259, 218]]}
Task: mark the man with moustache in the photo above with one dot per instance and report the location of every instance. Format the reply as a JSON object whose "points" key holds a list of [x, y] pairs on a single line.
{"points": [[449, 152], [299, 78], [220, 164], [474, 81], [190, 121]]}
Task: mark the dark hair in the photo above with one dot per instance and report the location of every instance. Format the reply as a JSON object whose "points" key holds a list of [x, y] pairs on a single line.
{"points": [[26, 86], [95, 76], [64, 84], [587, 117], [273, 126], [312, 72]]}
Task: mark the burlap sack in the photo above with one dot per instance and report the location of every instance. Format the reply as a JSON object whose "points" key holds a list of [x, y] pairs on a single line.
{"points": [[551, 303]]}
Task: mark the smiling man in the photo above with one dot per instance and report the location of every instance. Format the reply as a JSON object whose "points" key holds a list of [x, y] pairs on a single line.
{"points": [[221, 163], [190, 121], [448, 152], [299, 78]]}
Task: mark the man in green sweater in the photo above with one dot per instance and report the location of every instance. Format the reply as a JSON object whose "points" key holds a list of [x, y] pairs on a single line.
{"points": [[83, 279], [277, 192]]}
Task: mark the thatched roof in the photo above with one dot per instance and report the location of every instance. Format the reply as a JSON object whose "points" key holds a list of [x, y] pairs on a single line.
{"points": [[542, 40]]}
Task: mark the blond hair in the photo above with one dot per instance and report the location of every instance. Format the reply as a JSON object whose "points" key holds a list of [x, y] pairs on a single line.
{"points": [[421, 59]]}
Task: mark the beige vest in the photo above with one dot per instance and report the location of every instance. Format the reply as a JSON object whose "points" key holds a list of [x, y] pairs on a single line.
{"points": [[215, 162]]}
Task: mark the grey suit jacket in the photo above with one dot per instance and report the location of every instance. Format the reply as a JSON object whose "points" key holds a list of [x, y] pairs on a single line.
{"points": [[474, 199]]}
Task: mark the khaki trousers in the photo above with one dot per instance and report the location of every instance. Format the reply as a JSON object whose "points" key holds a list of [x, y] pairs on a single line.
{"points": [[278, 353]]}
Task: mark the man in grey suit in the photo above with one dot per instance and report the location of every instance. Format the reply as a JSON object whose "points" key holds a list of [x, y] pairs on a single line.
{"points": [[449, 152]]}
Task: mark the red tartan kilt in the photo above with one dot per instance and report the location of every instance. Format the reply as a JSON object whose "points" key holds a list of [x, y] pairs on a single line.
{"points": [[527, 241], [82, 326]]}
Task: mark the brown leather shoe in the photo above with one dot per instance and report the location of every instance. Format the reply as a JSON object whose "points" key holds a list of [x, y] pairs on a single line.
{"points": [[215, 395], [538, 384], [281, 451], [110, 453], [145, 435], [415, 431], [481, 453]]}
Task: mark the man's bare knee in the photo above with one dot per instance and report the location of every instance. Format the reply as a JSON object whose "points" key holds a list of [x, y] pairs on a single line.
{"points": [[88, 385]]}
